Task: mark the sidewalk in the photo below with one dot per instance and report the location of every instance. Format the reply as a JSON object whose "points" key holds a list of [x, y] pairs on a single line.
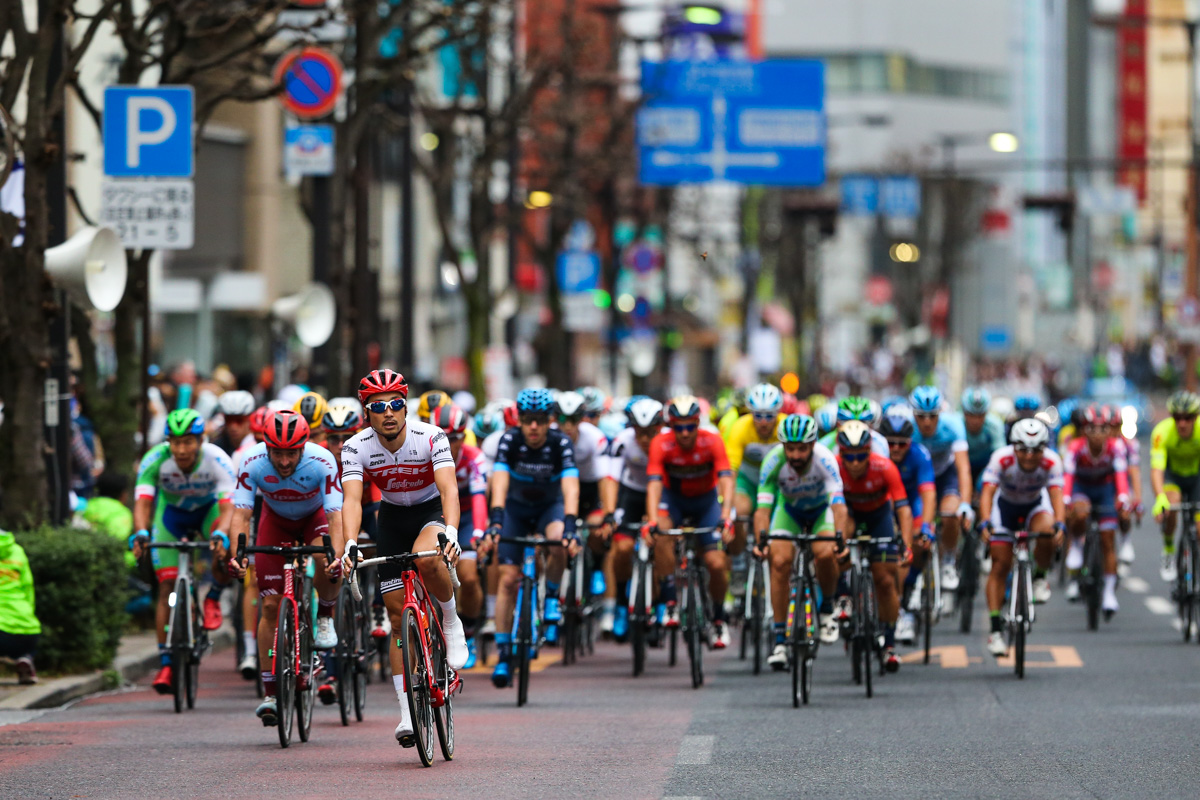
{"points": [[137, 656]]}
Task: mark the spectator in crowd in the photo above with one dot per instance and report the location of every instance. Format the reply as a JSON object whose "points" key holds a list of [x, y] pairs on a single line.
{"points": [[109, 511], [83, 451], [19, 626]]}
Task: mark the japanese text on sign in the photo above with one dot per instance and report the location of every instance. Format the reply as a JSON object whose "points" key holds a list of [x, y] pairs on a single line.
{"points": [[150, 214]]}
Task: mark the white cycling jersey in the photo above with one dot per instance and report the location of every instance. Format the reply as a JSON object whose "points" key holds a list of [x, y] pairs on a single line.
{"points": [[627, 462], [1015, 484], [590, 453], [490, 446], [211, 479], [405, 477]]}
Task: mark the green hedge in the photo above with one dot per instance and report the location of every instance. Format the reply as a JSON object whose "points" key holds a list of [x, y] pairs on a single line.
{"points": [[79, 578]]}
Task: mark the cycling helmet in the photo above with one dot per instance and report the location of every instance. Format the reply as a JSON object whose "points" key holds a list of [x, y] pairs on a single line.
{"points": [[430, 402], [629, 404], [892, 401], [817, 400], [976, 400], [258, 420], [379, 381], [236, 404], [185, 422], [739, 400], [1030, 432], [312, 407], [764, 399], [593, 399], [854, 407], [723, 406], [464, 400], [1110, 415], [926, 400], [797, 428], [682, 407], [451, 419], [286, 430], [897, 424], [1092, 415], [826, 417], [352, 402], [342, 419], [570, 404], [791, 405], [645, 413], [854, 433], [1002, 407], [1184, 403], [1027, 402], [509, 413], [535, 401], [874, 411]]}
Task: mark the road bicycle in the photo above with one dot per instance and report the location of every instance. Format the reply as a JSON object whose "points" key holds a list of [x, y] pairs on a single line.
{"points": [[527, 631], [430, 681], [1186, 592], [1091, 575], [968, 580], [695, 606], [579, 608], [186, 635], [930, 610], [864, 639], [1019, 621], [755, 628], [294, 662], [641, 599]]}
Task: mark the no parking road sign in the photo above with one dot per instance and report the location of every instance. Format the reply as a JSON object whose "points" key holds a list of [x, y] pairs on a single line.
{"points": [[311, 80]]}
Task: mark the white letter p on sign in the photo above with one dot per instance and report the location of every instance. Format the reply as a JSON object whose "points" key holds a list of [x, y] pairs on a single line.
{"points": [[135, 137]]}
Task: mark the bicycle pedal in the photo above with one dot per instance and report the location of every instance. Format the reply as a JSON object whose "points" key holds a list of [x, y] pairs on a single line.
{"points": [[407, 741]]}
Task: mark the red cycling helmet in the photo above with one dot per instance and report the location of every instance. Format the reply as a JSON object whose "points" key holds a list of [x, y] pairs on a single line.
{"points": [[791, 404], [258, 420], [379, 381], [451, 419], [286, 430], [1092, 416], [510, 412]]}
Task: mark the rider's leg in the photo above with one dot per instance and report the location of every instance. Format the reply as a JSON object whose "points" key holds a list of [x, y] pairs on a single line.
{"points": [[884, 574], [267, 624], [1043, 551], [717, 564], [470, 593], [1002, 558], [622, 558], [948, 507], [1168, 523], [743, 503], [781, 555], [556, 557], [249, 608]]}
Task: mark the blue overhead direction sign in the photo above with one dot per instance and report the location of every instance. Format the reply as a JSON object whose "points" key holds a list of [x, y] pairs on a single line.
{"points": [[148, 131], [748, 122]]}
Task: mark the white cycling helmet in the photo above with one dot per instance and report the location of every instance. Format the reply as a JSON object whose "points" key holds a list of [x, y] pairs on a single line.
{"points": [[764, 399], [646, 413], [570, 404], [236, 404], [348, 401], [1031, 433]]}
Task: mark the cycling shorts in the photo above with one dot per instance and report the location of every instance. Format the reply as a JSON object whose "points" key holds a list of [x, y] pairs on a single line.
{"points": [[466, 532], [702, 511], [879, 524], [589, 497], [819, 524], [1008, 517], [524, 520], [172, 524], [399, 527], [1188, 486], [277, 531], [947, 483], [1103, 499], [746, 485], [631, 510]]}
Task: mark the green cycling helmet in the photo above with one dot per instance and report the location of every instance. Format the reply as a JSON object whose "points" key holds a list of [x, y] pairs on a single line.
{"points": [[185, 422], [855, 407], [797, 429], [1184, 403]]}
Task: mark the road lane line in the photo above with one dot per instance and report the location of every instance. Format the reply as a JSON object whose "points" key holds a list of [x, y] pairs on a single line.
{"points": [[1160, 605], [1135, 584], [695, 750]]}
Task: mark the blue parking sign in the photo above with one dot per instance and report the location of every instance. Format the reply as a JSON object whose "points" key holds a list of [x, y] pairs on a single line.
{"points": [[148, 131]]}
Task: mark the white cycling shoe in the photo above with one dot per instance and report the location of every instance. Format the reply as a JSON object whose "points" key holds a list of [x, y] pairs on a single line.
{"points": [[914, 597], [1073, 590], [1168, 571], [1125, 554], [456, 641], [404, 731], [248, 666], [906, 631], [830, 632], [1075, 555], [325, 637], [1109, 603], [778, 660], [996, 644], [949, 577], [1041, 590], [268, 711]]}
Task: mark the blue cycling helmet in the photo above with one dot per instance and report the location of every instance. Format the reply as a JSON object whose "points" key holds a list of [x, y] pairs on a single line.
{"points": [[894, 400], [926, 400], [976, 400], [898, 423], [1027, 402], [827, 418], [535, 401], [489, 420]]}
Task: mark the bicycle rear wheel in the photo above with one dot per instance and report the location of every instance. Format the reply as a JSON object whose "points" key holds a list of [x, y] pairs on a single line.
{"points": [[180, 650], [758, 613], [968, 583], [524, 642], [1092, 578], [344, 654], [285, 670], [637, 617], [1183, 587], [416, 678], [443, 715], [927, 602], [694, 614], [805, 640], [1021, 623], [868, 631], [1194, 586]]}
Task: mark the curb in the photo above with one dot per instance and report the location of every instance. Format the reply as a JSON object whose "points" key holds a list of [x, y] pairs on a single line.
{"points": [[59, 691]]}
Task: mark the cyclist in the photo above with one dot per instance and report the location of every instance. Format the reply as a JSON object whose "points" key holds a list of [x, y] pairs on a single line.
{"points": [[945, 437], [471, 472], [863, 410], [916, 473], [799, 491], [590, 446], [508, 418], [1175, 469], [1095, 477], [1026, 481], [1133, 459], [183, 486], [875, 499], [429, 402], [737, 407], [689, 472], [248, 666], [594, 403], [411, 464], [1025, 406], [236, 407], [312, 407], [301, 501], [826, 417], [534, 489], [623, 496], [747, 441], [985, 431]]}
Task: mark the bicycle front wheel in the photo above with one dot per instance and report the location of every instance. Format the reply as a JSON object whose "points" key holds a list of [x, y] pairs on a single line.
{"points": [[285, 670], [1183, 587], [637, 616], [180, 646], [927, 604], [758, 612], [1092, 579], [524, 642], [416, 678], [1020, 625], [443, 715], [968, 583], [694, 614], [344, 654], [570, 615]]}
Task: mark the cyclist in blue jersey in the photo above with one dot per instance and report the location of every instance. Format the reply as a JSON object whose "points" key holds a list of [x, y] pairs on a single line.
{"points": [[985, 431], [535, 489], [944, 436], [916, 473]]}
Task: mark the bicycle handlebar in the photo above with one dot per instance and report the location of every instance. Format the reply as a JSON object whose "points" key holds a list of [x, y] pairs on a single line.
{"points": [[399, 558], [801, 537], [535, 541], [326, 549], [179, 546], [686, 531]]}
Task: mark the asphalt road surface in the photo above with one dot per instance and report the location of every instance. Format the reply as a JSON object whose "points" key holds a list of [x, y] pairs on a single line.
{"points": [[1109, 714]]}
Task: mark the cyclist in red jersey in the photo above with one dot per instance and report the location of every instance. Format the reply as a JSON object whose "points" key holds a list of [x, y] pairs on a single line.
{"points": [[687, 467], [874, 490]]}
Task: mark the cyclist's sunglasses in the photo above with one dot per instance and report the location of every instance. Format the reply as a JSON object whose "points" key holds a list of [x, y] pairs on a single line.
{"points": [[925, 415], [1184, 417], [1020, 448], [236, 417], [899, 443], [686, 427], [855, 457], [455, 437], [380, 406], [574, 418], [532, 419], [767, 417], [338, 438]]}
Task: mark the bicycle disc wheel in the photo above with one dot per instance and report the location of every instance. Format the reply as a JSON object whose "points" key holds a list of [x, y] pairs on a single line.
{"points": [[443, 715], [1021, 623], [285, 670], [416, 678], [344, 654], [180, 652], [524, 642]]}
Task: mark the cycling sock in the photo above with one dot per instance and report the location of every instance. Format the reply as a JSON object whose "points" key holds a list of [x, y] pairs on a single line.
{"points": [[503, 645], [325, 607], [997, 623], [249, 642], [666, 590], [910, 580], [398, 683], [449, 606], [780, 632], [214, 592], [164, 655], [826, 606], [1110, 583], [491, 606], [623, 589], [268, 679], [889, 634]]}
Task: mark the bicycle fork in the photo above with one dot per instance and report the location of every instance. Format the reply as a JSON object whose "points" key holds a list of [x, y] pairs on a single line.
{"points": [[639, 591]]}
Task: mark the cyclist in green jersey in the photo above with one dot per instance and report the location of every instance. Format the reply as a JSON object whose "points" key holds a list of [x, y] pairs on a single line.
{"points": [[1175, 468]]}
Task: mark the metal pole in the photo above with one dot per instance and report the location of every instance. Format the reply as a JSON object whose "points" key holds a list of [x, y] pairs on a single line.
{"points": [[513, 202], [322, 221], [1192, 277]]}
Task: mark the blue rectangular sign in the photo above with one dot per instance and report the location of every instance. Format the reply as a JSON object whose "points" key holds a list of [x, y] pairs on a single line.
{"points": [[578, 271], [891, 195], [148, 131], [760, 123], [860, 195], [995, 338]]}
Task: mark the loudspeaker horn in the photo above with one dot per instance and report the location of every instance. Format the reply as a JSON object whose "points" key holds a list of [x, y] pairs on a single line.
{"points": [[311, 312], [90, 266]]}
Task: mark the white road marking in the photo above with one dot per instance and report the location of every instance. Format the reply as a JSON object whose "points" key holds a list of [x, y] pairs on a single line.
{"points": [[1135, 584], [1160, 605], [696, 750]]}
